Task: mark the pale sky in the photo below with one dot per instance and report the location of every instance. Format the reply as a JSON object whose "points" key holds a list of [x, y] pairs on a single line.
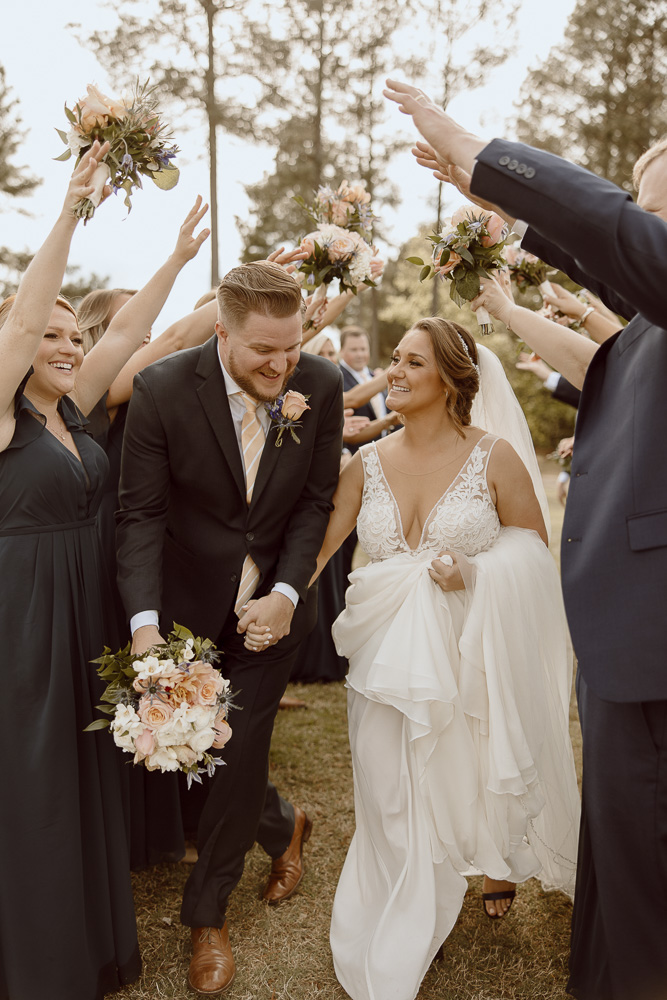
{"points": [[46, 68]]}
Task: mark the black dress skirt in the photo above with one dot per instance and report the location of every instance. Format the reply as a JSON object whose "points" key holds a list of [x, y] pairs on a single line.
{"points": [[67, 925]]}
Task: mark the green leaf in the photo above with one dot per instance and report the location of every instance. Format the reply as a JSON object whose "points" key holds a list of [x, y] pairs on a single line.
{"points": [[98, 724], [166, 179], [444, 256], [468, 286], [415, 260], [63, 135], [70, 115], [425, 272], [465, 255], [64, 156], [181, 632]]}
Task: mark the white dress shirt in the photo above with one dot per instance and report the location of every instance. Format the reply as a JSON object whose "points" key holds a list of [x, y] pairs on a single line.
{"points": [[237, 409]]}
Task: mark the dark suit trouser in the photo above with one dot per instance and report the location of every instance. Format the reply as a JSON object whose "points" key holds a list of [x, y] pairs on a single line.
{"points": [[619, 923], [242, 806]]}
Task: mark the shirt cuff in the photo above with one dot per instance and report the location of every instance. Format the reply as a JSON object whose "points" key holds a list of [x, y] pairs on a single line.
{"points": [[551, 381], [284, 588], [520, 228], [143, 618]]}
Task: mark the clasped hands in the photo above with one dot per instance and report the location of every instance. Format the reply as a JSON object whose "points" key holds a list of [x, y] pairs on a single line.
{"points": [[265, 621]]}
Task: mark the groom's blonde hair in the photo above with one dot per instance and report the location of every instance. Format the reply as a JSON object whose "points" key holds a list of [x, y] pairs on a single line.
{"points": [[258, 287]]}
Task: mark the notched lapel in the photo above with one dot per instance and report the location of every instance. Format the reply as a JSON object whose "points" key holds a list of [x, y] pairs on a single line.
{"points": [[213, 397]]}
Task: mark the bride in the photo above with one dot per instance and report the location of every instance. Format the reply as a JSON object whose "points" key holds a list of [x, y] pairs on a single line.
{"points": [[460, 667]]}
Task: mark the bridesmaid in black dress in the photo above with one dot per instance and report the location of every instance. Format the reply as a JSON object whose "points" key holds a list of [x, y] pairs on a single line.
{"points": [[67, 926]]}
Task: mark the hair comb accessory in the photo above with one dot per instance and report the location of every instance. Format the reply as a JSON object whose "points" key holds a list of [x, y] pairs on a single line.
{"points": [[465, 348]]}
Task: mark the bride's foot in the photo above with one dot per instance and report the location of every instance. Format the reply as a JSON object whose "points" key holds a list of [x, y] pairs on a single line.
{"points": [[497, 907]]}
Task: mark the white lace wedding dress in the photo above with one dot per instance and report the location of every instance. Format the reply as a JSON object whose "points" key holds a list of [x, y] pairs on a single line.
{"points": [[458, 714]]}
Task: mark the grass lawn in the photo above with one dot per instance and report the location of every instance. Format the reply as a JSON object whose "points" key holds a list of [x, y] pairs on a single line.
{"points": [[282, 953]]}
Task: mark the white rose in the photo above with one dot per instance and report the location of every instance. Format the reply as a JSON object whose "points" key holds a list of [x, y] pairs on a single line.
{"points": [[199, 716], [75, 140], [202, 740], [164, 759]]}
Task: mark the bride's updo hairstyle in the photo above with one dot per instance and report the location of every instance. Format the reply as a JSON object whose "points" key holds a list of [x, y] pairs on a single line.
{"points": [[457, 362]]}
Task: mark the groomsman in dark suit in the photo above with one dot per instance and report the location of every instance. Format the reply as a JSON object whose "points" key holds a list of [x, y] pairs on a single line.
{"points": [[614, 552], [353, 359], [216, 512]]}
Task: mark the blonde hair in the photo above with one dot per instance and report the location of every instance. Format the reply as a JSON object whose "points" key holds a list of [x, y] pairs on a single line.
{"points": [[260, 287], [651, 154], [316, 343], [457, 362], [94, 313], [204, 299], [6, 307]]}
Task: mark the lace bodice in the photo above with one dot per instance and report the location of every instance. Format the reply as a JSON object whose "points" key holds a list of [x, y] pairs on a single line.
{"points": [[464, 519]]}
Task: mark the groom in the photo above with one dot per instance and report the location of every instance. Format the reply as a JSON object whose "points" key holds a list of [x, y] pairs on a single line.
{"points": [[214, 512]]}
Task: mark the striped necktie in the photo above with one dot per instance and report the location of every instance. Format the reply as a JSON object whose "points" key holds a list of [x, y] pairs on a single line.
{"points": [[252, 444]]}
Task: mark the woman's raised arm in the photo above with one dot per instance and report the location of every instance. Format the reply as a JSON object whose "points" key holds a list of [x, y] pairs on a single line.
{"points": [[28, 318], [129, 326]]}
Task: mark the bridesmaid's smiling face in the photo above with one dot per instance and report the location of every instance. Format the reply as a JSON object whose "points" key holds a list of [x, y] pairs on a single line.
{"points": [[59, 357], [413, 377]]}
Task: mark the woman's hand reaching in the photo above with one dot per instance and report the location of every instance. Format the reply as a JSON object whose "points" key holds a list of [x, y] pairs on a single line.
{"points": [[494, 298], [187, 244], [81, 182]]}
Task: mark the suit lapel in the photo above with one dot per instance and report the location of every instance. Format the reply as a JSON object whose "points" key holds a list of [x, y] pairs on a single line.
{"points": [[271, 453], [213, 397]]}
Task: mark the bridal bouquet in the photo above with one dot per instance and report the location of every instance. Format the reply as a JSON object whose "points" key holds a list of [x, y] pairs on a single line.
{"points": [[341, 245], [470, 245], [139, 143], [169, 705]]}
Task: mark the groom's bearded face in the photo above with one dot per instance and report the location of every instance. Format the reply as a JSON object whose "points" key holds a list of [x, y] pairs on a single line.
{"points": [[261, 353]]}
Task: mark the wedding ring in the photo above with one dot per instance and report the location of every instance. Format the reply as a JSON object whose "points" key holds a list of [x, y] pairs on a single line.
{"points": [[421, 97]]}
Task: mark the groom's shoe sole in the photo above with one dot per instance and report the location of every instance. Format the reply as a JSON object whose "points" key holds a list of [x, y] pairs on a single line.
{"points": [[287, 871]]}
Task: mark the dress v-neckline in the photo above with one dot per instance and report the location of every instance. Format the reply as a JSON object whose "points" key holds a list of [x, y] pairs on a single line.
{"points": [[435, 506]]}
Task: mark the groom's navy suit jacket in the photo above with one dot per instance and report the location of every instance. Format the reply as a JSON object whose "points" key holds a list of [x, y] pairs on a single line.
{"points": [[614, 547], [185, 528]]}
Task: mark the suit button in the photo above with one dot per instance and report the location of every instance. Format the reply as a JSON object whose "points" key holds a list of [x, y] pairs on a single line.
{"points": [[521, 169], [234, 578], [503, 161], [530, 172], [513, 164], [249, 536]]}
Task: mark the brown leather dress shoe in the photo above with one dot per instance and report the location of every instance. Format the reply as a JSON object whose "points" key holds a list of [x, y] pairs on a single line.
{"points": [[212, 966], [287, 870]]}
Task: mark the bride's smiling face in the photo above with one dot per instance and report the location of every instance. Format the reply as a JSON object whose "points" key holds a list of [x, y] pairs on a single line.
{"points": [[413, 377]]}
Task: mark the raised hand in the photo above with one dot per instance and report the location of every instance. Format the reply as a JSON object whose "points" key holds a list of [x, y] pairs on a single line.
{"points": [[81, 182], [451, 143], [565, 301], [287, 258], [493, 298], [533, 363], [187, 244]]}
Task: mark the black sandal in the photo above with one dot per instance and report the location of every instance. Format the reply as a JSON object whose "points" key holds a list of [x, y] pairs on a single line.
{"points": [[491, 896]]}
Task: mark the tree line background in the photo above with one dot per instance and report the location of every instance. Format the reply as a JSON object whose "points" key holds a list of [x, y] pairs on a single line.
{"points": [[304, 78]]}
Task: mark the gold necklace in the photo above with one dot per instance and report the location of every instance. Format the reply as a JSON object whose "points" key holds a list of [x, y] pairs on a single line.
{"points": [[62, 434], [431, 472]]}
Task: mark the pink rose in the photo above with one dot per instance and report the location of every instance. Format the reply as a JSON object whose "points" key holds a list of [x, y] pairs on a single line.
{"points": [[96, 109], [340, 213], [294, 405], [356, 193], [342, 247], [208, 692], [460, 215], [308, 244], [154, 713], [497, 230], [222, 729], [454, 259], [145, 744], [513, 256]]}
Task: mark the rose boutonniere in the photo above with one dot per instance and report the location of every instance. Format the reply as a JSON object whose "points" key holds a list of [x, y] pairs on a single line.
{"points": [[286, 412]]}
